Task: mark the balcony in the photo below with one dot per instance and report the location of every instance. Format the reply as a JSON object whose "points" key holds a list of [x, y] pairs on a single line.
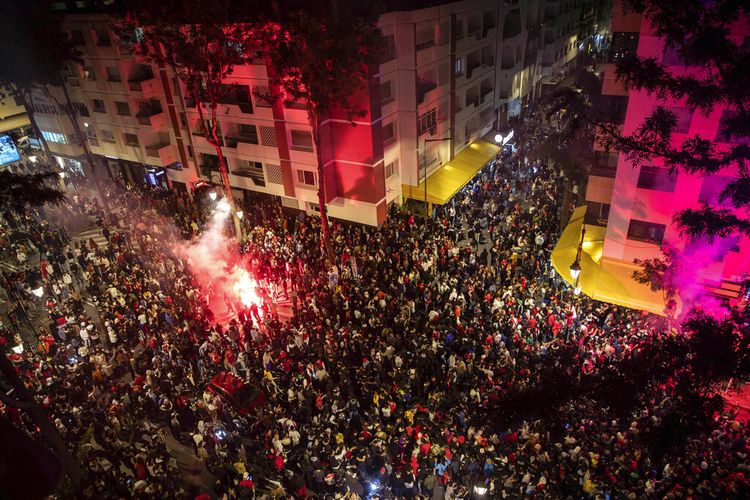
{"points": [[423, 87], [151, 114]]}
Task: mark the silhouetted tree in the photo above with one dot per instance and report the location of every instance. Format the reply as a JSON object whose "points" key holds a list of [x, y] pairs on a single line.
{"points": [[19, 192]]}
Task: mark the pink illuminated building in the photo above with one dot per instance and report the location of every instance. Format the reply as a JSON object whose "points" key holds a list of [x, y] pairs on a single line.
{"points": [[637, 204]]}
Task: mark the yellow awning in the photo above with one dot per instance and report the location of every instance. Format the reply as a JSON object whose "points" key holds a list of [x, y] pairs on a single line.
{"points": [[443, 184], [601, 278], [13, 122]]}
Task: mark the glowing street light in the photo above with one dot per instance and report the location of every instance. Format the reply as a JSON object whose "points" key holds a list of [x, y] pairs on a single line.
{"points": [[498, 138], [212, 195], [577, 290], [575, 269], [38, 291]]}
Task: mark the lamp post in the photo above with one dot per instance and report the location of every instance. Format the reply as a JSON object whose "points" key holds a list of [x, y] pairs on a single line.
{"points": [[428, 212], [575, 267]]}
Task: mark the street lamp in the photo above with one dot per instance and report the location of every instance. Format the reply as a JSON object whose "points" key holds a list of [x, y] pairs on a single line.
{"points": [[575, 269]]}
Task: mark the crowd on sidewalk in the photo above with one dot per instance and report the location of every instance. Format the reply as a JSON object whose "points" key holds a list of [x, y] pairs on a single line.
{"points": [[382, 382]]}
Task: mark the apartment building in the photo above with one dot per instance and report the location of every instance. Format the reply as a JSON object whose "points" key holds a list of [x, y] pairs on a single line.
{"points": [[629, 210], [452, 73]]}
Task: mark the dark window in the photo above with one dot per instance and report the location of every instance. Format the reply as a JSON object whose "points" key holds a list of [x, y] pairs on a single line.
{"points": [[512, 25], [108, 136], [113, 74], [248, 133], [302, 140], [712, 187], [131, 139], [391, 168], [657, 179], [614, 107], [727, 131], [648, 232], [76, 38], [122, 108], [102, 39], [623, 44], [671, 57], [596, 213], [81, 108], [99, 106], [386, 93], [388, 49], [459, 27], [683, 117], [389, 133], [425, 38]]}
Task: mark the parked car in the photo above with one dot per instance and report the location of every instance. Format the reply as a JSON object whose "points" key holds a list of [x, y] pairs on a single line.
{"points": [[243, 397]]}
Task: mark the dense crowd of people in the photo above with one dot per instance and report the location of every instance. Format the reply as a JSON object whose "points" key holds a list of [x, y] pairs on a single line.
{"points": [[380, 380]]}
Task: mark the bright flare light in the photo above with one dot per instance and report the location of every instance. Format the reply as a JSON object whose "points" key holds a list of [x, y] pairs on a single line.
{"points": [[223, 205], [212, 195], [38, 291], [244, 287]]}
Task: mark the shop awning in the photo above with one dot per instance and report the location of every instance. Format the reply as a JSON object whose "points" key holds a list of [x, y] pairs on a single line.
{"points": [[13, 122], [601, 278], [443, 184]]}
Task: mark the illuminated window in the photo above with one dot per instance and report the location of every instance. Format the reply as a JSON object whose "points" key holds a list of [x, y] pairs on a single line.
{"points": [[657, 179], [307, 178], [647, 232], [55, 137]]}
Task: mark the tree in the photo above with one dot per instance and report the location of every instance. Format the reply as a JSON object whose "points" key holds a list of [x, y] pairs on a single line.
{"points": [[322, 58], [660, 273], [202, 42], [699, 32], [19, 192]]}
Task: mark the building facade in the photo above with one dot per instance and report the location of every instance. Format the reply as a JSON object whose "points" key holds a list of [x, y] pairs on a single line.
{"points": [[452, 73], [631, 208]]}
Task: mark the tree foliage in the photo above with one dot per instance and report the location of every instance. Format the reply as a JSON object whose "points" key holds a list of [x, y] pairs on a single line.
{"points": [[700, 33], [19, 192], [660, 273]]}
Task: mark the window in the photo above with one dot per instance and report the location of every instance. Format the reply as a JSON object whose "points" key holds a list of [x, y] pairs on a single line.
{"points": [[711, 189], [99, 106], [91, 134], [458, 67], [671, 57], [474, 24], [302, 140], [108, 136], [683, 116], [89, 73], [81, 109], [596, 213], [726, 131], [389, 133], [426, 122], [386, 92], [248, 133], [391, 168], [648, 232], [113, 74], [388, 49], [102, 39], [459, 27], [76, 38], [307, 177], [131, 140], [314, 207], [55, 137], [657, 179], [425, 37], [122, 108]]}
